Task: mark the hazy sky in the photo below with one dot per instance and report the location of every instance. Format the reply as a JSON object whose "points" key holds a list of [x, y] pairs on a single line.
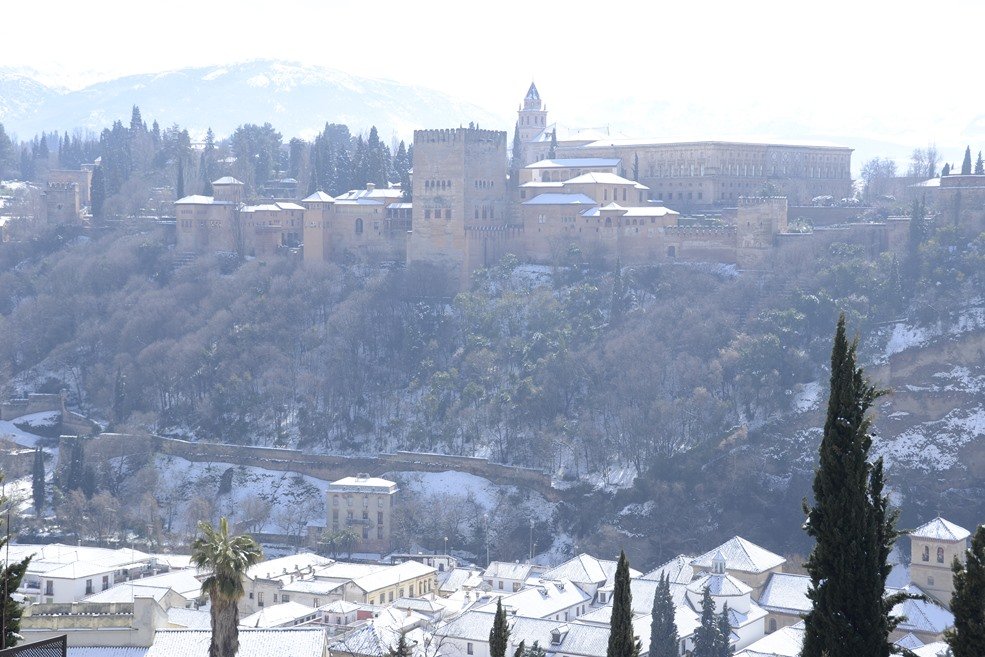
{"points": [[895, 71]]}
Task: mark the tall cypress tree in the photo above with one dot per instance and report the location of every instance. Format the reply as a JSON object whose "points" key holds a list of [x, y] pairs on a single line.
{"points": [[499, 635], [966, 162], [724, 634], [11, 575], [621, 641], [967, 637], [37, 481], [706, 635], [979, 165], [851, 523], [516, 162], [663, 629]]}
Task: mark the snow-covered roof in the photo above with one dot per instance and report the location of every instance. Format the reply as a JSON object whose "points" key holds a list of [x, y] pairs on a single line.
{"points": [[541, 599], [603, 178], [453, 580], [288, 206], [311, 586], [340, 607], [741, 555], [363, 482], [586, 569], [509, 570], [195, 199], [318, 197], [392, 575], [575, 163], [908, 641], [922, 615], [538, 184], [192, 619], [785, 642], [342, 571], [610, 143], [226, 180], [375, 193], [678, 570], [786, 593], [719, 585], [279, 615], [106, 651], [293, 642], [941, 530], [289, 565], [182, 582], [935, 649], [576, 639], [560, 199]]}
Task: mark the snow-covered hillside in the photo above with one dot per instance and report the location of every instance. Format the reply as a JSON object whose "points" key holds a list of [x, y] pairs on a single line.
{"points": [[296, 99]]}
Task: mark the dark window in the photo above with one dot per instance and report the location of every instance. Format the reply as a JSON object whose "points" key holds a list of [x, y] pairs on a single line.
{"points": [[940, 555], [359, 226]]}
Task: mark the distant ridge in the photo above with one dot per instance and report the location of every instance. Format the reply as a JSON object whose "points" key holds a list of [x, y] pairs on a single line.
{"points": [[297, 99]]}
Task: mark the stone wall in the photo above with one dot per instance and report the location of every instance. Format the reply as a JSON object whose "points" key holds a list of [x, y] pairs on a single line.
{"points": [[328, 467]]}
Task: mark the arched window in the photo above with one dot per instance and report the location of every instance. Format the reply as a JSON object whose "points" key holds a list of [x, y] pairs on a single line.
{"points": [[359, 226], [926, 553], [608, 221], [940, 555]]}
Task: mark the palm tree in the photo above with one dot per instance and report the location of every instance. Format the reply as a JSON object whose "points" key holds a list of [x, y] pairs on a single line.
{"points": [[228, 558]]}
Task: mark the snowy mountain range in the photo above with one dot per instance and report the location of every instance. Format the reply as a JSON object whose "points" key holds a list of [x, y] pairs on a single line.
{"points": [[297, 99]]}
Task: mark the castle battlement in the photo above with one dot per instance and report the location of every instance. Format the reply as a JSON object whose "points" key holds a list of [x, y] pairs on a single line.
{"points": [[506, 229], [699, 230], [755, 201], [459, 135], [63, 186]]}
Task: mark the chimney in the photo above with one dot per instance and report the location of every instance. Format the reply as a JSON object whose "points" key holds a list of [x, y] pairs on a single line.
{"points": [[370, 187]]}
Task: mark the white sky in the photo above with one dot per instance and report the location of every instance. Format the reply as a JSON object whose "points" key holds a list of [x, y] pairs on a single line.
{"points": [[890, 71]]}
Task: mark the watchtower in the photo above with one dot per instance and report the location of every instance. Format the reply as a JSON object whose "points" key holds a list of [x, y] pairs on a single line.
{"points": [[459, 181], [758, 221], [933, 548], [532, 115]]}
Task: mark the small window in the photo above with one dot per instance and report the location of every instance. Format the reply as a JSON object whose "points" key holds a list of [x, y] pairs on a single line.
{"points": [[501, 585], [772, 627], [940, 555], [285, 598], [468, 648], [926, 553]]}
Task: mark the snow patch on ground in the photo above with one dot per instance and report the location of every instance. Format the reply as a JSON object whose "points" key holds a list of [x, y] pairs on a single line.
{"points": [[644, 509], [905, 336], [8, 431], [807, 398], [451, 484], [38, 420], [621, 476], [933, 446]]}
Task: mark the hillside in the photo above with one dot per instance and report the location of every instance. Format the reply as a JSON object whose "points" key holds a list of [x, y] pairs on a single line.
{"points": [[298, 99]]}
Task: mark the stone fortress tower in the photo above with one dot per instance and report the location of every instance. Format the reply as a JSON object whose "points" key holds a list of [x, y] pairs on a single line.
{"points": [[460, 195]]}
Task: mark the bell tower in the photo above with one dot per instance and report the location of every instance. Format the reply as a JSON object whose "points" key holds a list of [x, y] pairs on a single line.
{"points": [[532, 115]]}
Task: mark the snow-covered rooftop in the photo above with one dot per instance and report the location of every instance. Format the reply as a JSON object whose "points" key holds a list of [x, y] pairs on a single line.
{"points": [[741, 555], [360, 482], [678, 570], [576, 162], [318, 197], [922, 615], [289, 565], [293, 642], [719, 585], [941, 530], [280, 615], [560, 199], [786, 593], [603, 178], [226, 180]]}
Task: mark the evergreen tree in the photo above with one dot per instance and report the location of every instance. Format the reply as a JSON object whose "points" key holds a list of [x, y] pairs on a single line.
{"points": [[706, 635], [966, 162], [967, 637], [520, 650], [916, 236], [499, 635], [621, 640], [37, 481], [946, 171], [552, 151], [179, 186], [724, 632], [11, 575], [209, 163], [979, 165], [851, 523], [516, 162], [636, 166], [6, 151], [97, 192], [535, 651], [136, 122], [663, 630], [401, 649], [617, 306]]}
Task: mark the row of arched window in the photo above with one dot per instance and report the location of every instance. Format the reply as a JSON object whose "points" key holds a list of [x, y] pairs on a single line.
{"points": [[926, 554]]}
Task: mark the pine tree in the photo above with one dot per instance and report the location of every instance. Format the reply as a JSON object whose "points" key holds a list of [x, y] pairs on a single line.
{"points": [[966, 162], [179, 186], [11, 575], [979, 165], [663, 630], [97, 192], [851, 523], [967, 637], [37, 481], [499, 635], [706, 635], [621, 640], [724, 632]]}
